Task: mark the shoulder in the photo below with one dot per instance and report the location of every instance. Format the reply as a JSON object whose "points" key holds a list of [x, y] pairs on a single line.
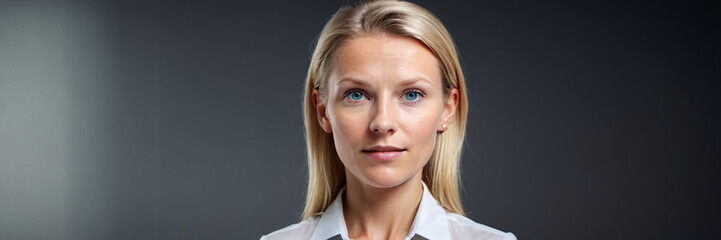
{"points": [[461, 227], [301, 230]]}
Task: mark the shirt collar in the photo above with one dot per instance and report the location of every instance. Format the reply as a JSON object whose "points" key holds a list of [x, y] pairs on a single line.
{"points": [[332, 222], [429, 221]]}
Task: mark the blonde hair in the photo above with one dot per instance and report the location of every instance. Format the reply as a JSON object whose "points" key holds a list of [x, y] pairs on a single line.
{"points": [[399, 18]]}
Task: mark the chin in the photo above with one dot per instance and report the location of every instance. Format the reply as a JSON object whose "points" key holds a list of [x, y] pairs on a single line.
{"points": [[384, 178]]}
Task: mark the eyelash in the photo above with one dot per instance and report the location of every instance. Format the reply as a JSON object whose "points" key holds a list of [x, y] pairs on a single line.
{"points": [[420, 93]]}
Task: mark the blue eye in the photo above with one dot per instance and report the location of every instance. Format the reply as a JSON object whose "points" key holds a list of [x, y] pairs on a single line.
{"points": [[355, 96], [412, 96]]}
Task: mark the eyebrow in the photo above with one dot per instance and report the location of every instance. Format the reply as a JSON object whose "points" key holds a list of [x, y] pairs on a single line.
{"points": [[353, 80], [405, 82], [415, 80]]}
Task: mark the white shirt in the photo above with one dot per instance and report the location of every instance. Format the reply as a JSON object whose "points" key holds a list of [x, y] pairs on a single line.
{"points": [[431, 222]]}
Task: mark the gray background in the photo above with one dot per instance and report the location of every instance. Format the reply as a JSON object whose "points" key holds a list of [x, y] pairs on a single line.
{"points": [[182, 120]]}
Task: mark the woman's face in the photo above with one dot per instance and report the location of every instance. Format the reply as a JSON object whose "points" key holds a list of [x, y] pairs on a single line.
{"points": [[384, 107]]}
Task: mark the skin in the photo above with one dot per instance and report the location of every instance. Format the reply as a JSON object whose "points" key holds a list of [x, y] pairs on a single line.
{"points": [[382, 197]]}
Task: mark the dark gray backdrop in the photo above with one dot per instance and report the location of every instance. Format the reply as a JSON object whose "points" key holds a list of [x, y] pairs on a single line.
{"points": [[182, 120]]}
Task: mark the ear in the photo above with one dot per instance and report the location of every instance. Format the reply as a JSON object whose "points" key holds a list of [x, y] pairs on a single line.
{"points": [[321, 113], [449, 110]]}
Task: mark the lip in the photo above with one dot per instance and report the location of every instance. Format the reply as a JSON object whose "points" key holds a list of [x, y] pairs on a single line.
{"points": [[384, 153]]}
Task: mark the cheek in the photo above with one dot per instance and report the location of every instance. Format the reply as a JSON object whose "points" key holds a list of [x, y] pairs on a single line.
{"points": [[349, 127], [422, 130], [420, 127]]}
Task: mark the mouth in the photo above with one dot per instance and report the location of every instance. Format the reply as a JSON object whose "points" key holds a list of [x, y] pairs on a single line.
{"points": [[384, 153]]}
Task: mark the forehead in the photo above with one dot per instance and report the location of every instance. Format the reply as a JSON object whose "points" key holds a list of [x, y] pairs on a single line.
{"points": [[384, 58]]}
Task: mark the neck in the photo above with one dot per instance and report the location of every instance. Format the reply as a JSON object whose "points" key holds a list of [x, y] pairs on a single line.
{"points": [[381, 213]]}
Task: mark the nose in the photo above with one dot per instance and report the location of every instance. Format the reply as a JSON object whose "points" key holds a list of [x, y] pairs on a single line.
{"points": [[383, 118]]}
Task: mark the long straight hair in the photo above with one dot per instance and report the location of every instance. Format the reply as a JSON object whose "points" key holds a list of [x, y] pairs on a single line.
{"points": [[399, 18]]}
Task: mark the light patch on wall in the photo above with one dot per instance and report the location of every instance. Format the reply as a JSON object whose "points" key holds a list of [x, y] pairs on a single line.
{"points": [[52, 57]]}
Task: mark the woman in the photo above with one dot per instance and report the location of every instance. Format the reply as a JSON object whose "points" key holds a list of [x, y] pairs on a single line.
{"points": [[385, 115]]}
